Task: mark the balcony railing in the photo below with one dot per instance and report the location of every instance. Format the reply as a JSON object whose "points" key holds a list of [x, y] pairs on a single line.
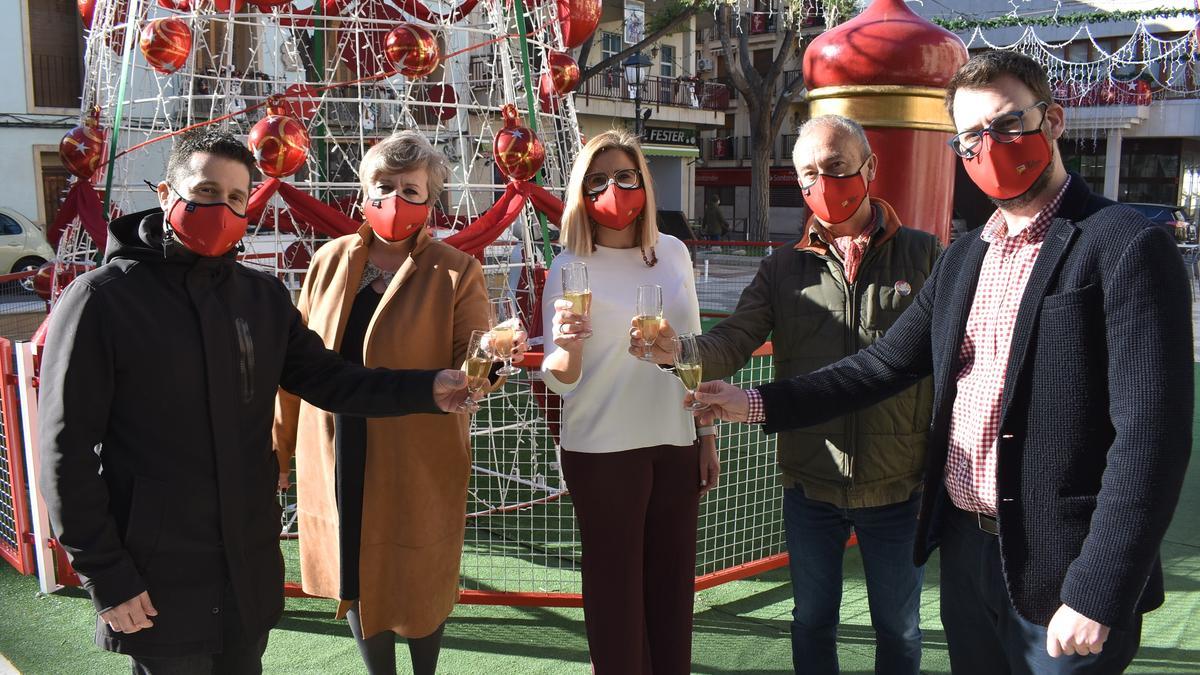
{"points": [[706, 95]]}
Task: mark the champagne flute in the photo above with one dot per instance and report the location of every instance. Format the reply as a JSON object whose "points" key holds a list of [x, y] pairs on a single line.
{"points": [[689, 365], [506, 321], [649, 318], [577, 291], [479, 364]]}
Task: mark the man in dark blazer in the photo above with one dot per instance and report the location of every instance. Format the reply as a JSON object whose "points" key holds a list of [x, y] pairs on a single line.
{"points": [[1059, 339]]}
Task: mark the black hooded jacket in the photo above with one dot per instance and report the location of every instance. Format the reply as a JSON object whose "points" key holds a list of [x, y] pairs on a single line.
{"points": [[158, 387]]}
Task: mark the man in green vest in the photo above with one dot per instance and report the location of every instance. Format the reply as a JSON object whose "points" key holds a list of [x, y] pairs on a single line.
{"points": [[835, 291]]}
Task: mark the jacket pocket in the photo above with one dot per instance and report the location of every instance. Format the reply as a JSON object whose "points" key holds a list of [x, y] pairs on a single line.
{"points": [[144, 527], [1076, 296]]}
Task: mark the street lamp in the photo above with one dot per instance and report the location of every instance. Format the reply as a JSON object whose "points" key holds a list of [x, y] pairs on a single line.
{"points": [[637, 69]]}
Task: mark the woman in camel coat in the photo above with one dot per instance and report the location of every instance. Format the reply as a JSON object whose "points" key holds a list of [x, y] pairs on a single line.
{"points": [[387, 493]]}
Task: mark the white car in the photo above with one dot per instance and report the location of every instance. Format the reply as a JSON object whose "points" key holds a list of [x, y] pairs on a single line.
{"points": [[23, 244]]}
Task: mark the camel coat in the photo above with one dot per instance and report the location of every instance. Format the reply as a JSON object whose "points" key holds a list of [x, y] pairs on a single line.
{"points": [[417, 466]]}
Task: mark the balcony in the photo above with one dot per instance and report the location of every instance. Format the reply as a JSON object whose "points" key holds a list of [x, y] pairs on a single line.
{"points": [[734, 148], [705, 95]]}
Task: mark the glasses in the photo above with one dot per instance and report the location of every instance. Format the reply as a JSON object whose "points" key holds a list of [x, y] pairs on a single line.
{"points": [[506, 322], [689, 366], [649, 317], [577, 291], [1004, 129], [478, 365], [626, 179]]}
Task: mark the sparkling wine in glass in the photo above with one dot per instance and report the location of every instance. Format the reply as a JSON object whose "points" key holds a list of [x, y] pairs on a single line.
{"points": [[479, 364], [577, 291], [506, 321], [689, 366], [649, 317]]}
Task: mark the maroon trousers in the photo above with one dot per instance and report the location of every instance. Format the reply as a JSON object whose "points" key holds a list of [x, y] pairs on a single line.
{"points": [[637, 520]]}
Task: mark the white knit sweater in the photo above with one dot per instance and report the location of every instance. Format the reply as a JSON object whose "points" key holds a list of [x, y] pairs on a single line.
{"points": [[620, 402]]}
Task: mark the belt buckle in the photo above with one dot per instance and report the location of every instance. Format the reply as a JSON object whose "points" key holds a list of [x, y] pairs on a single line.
{"points": [[987, 523]]}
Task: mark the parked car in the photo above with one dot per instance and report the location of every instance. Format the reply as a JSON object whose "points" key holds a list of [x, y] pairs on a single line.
{"points": [[23, 244], [1170, 217]]}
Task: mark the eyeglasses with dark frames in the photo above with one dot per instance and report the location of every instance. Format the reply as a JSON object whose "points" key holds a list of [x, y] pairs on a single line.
{"points": [[1006, 128]]}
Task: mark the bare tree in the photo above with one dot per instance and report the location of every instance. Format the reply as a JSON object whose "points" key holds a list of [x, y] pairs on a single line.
{"points": [[767, 105]]}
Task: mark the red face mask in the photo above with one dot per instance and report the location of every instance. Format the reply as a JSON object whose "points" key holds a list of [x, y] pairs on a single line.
{"points": [[615, 208], [1008, 170], [835, 198], [207, 229], [394, 218]]}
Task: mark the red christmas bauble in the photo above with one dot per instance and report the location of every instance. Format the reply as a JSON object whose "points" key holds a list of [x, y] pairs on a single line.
{"points": [[578, 19], [296, 256], [177, 5], [548, 98], [279, 143], [166, 44], [226, 6], [412, 50], [564, 72], [45, 283], [518, 151], [444, 94], [87, 11], [301, 101], [82, 148]]}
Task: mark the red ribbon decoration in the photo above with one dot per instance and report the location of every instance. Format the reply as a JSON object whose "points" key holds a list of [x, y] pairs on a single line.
{"points": [[81, 202]]}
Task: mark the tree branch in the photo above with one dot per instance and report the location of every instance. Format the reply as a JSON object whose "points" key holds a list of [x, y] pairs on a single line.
{"points": [[781, 104], [604, 64], [585, 49], [737, 75], [784, 55]]}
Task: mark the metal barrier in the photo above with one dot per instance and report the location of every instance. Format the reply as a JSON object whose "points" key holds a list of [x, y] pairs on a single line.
{"points": [[723, 270], [21, 310]]}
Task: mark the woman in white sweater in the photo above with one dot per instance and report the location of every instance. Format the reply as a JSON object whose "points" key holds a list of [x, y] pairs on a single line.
{"points": [[630, 453]]}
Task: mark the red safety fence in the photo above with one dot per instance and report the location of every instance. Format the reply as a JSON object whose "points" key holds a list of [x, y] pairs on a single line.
{"points": [[16, 533]]}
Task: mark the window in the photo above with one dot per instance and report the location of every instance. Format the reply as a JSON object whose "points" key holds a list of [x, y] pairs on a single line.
{"points": [[55, 58], [667, 53], [610, 44], [8, 226], [786, 196]]}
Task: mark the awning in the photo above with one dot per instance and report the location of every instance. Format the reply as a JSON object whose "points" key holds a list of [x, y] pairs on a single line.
{"points": [[671, 150]]}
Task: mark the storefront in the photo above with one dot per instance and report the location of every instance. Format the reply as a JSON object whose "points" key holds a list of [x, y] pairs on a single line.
{"points": [[732, 186]]}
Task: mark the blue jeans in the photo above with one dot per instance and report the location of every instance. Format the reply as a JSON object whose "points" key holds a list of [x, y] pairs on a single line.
{"points": [[984, 632], [816, 541]]}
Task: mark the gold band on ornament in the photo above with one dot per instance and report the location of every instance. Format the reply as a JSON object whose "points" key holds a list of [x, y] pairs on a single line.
{"points": [[898, 106]]}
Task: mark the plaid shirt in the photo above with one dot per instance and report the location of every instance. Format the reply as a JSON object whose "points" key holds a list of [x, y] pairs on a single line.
{"points": [[983, 357]]}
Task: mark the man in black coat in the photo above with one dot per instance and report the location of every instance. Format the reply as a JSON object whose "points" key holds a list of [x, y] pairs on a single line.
{"points": [[158, 387], [1059, 339]]}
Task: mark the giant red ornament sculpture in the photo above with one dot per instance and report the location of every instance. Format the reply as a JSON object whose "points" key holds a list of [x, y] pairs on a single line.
{"points": [[82, 148], [578, 19], [563, 72], [166, 44], [412, 50], [279, 142], [518, 151], [887, 68]]}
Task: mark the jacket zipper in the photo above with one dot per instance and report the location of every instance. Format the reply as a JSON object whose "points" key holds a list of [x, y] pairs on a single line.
{"points": [[852, 327], [245, 358]]}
